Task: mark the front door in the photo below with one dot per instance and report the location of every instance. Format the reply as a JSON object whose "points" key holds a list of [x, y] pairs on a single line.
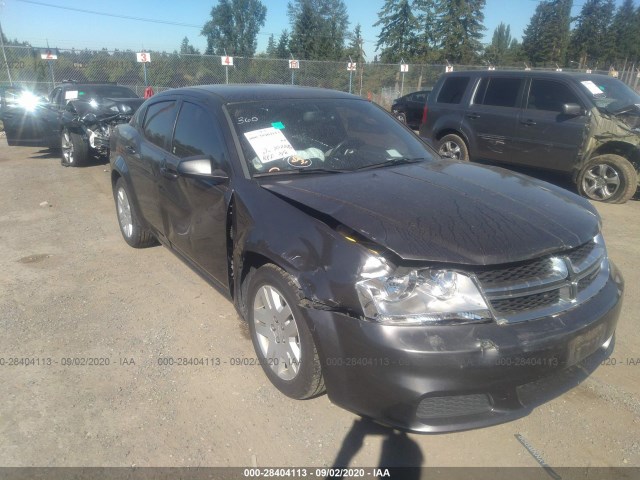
{"points": [[546, 137], [194, 210]]}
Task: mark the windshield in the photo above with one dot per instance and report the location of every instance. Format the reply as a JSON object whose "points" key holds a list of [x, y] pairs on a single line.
{"points": [[610, 94], [101, 91], [311, 135]]}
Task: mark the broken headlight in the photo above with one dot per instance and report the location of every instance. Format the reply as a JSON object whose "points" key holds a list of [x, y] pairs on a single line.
{"points": [[422, 297]]}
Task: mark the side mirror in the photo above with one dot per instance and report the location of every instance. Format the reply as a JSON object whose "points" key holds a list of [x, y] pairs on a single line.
{"points": [[572, 109], [201, 168]]}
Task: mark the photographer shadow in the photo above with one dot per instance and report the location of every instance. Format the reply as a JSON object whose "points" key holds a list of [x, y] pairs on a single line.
{"points": [[398, 450]]}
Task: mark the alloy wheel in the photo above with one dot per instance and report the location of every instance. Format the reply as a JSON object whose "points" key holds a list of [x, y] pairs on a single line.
{"points": [[67, 147], [124, 212], [601, 182], [450, 150], [277, 332]]}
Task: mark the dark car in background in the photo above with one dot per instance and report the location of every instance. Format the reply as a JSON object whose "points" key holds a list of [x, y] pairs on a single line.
{"points": [[418, 291], [584, 125], [76, 118], [409, 108]]}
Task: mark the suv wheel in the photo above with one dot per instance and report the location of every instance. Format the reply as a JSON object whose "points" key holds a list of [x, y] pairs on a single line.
{"points": [[608, 178], [402, 117], [75, 151], [132, 230], [281, 339], [453, 147]]}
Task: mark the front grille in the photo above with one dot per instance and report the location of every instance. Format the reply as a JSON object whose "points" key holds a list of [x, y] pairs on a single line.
{"points": [[544, 286], [508, 306], [453, 406], [520, 273]]}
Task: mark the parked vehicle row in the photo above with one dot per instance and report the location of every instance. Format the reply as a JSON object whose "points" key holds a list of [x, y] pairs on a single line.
{"points": [[422, 292], [587, 126], [76, 119]]}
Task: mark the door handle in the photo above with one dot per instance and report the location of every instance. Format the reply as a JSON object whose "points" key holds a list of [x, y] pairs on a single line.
{"points": [[167, 171], [528, 123], [473, 116]]}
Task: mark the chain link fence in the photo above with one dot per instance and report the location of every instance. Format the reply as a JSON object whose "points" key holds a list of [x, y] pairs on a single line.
{"points": [[380, 82]]}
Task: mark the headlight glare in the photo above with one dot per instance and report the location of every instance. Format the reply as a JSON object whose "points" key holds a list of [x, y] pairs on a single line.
{"points": [[422, 297]]}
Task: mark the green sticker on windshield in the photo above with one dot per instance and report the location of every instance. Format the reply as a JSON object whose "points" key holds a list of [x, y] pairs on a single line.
{"points": [[278, 125]]}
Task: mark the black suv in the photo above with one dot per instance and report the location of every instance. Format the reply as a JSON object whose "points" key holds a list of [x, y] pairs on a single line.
{"points": [[409, 108], [77, 117], [586, 125]]}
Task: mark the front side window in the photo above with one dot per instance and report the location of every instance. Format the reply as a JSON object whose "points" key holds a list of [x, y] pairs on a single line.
{"points": [[197, 135], [498, 92], [453, 89], [159, 121], [549, 96], [327, 135]]}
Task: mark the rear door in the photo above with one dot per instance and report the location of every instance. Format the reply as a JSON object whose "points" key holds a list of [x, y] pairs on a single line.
{"points": [[546, 138], [492, 117], [415, 106], [194, 210], [157, 131]]}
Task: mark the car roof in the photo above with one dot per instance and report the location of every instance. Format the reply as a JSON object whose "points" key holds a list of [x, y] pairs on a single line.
{"points": [[246, 93], [529, 73]]}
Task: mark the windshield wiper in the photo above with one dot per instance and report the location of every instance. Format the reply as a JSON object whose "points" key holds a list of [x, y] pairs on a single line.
{"points": [[300, 171], [390, 162]]}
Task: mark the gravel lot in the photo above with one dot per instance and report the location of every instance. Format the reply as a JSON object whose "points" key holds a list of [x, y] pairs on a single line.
{"points": [[71, 288]]}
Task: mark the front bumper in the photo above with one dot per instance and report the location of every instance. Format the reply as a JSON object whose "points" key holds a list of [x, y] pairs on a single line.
{"points": [[434, 379]]}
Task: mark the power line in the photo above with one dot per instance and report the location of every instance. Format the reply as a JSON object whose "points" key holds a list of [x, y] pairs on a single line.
{"points": [[104, 14]]}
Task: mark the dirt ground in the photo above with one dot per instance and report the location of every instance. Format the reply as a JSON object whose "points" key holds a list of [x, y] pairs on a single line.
{"points": [[71, 288]]}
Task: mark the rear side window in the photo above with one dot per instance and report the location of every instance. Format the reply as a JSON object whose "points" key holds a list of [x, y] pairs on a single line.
{"points": [[453, 90], [549, 95], [158, 123], [498, 92], [197, 135]]}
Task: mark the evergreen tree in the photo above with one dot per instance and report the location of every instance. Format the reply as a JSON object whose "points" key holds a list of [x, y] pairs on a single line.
{"points": [[546, 37], [625, 30], [397, 37], [271, 47], [354, 50], [591, 42], [234, 26], [187, 48], [282, 50], [318, 29], [496, 53], [425, 14], [459, 27]]}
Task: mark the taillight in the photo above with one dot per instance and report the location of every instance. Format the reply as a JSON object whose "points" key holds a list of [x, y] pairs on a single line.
{"points": [[424, 114]]}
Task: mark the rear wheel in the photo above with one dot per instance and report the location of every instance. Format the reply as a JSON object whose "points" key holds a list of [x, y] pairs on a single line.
{"points": [[453, 147], [608, 178], [402, 117], [280, 335], [75, 150], [132, 230]]}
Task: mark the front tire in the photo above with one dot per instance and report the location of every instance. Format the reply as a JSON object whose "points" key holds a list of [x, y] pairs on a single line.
{"points": [[130, 226], [401, 117], [453, 147], [281, 338], [75, 150], [608, 178]]}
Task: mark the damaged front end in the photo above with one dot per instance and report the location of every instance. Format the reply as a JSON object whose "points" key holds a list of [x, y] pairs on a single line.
{"points": [[94, 120]]}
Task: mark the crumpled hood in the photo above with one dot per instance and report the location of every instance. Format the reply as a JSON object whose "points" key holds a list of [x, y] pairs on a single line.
{"points": [[448, 212]]}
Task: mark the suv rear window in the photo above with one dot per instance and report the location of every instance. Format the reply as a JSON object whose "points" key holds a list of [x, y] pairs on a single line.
{"points": [[498, 92], [453, 90]]}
